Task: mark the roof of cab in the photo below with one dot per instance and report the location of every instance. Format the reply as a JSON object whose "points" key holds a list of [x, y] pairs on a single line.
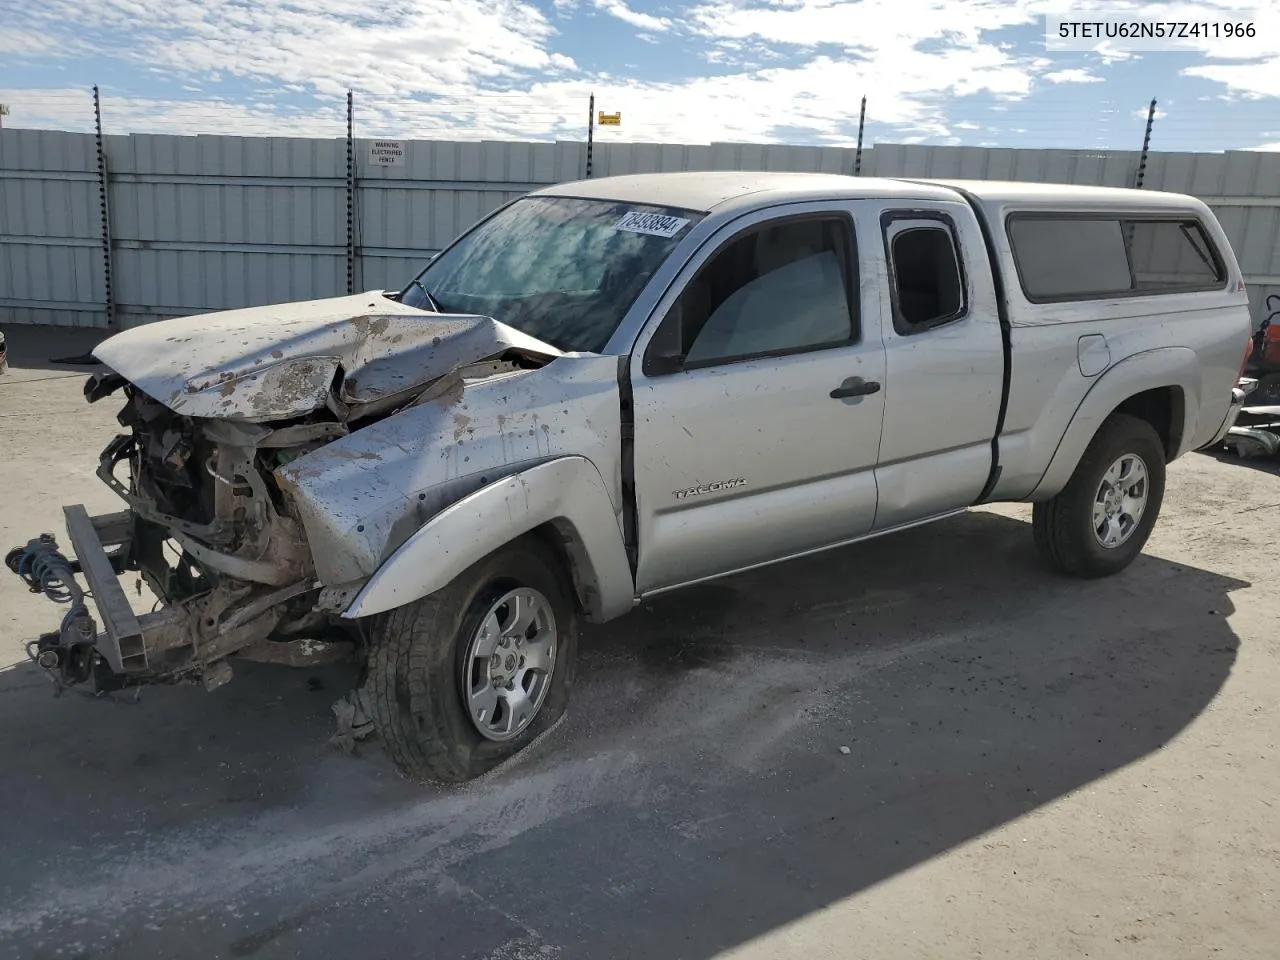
{"points": [[704, 191]]}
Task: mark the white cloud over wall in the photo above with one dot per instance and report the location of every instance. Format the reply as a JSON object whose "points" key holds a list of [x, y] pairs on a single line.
{"points": [[500, 68]]}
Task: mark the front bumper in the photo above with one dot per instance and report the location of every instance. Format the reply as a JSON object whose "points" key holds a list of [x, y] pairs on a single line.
{"points": [[188, 639], [120, 643]]}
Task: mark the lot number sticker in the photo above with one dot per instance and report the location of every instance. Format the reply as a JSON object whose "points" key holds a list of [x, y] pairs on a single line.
{"points": [[654, 224]]}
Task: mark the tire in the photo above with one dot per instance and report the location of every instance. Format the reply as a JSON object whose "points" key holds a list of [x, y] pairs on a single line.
{"points": [[1267, 393], [416, 666], [1063, 527]]}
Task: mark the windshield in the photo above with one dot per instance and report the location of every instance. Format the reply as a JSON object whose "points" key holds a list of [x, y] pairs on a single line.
{"points": [[560, 269]]}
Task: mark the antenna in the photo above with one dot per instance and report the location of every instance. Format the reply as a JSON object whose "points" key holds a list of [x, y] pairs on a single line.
{"points": [[1146, 145]]}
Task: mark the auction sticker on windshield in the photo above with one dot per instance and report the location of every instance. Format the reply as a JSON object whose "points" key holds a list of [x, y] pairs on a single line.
{"points": [[654, 224]]}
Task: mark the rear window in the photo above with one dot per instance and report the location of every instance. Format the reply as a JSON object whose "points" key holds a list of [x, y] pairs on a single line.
{"points": [[1083, 258]]}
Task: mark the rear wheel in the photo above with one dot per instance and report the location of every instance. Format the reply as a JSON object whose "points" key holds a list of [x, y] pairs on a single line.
{"points": [[1101, 520], [465, 679]]}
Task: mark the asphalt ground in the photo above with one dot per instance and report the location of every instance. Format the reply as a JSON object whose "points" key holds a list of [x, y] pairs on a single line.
{"points": [[1036, 767]]}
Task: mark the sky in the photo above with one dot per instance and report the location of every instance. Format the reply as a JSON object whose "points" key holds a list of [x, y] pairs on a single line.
{"points": [[971, 72]]}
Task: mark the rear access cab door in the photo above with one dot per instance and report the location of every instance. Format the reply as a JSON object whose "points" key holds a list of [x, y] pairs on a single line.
{"points": [[758, 395], [944, 360]]}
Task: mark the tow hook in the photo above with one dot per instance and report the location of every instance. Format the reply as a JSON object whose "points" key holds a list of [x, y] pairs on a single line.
{"points": [[66, 664], [69, 656]]}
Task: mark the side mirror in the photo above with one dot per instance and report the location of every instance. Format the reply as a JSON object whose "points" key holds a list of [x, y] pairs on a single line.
{"points": [[660, 365], [665, 354]]}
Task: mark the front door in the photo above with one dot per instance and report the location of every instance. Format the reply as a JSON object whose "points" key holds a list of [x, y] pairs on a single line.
{"points": [[758, 399]]}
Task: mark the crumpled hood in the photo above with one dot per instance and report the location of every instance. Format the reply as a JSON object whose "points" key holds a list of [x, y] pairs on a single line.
{"points": [[281, 361]]}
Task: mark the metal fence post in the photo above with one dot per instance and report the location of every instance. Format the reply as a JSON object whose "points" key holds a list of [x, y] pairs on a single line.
{"points": [[591, 128], [351, 196], [105, 209], [1146, 144], [857, 157]]}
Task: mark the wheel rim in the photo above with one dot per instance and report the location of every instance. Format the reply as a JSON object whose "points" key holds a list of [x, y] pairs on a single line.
{"points": [[1120, 501], [509, 662]]}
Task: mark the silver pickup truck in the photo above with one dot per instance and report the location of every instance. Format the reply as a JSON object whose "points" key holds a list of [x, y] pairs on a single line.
{"points": [[614, 388]]}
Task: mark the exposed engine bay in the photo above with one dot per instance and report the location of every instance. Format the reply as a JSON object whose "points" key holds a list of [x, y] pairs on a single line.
{"points": [[209, 533], [212, 535]]}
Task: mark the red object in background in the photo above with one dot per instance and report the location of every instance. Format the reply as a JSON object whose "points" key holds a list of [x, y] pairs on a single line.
{"points": [[1271, 345]]}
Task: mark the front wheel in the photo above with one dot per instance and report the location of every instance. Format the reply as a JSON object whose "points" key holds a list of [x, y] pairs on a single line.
{"points": [[464, 679], [1101, 520]]}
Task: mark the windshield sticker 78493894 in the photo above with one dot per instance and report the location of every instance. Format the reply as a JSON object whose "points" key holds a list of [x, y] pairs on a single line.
{"points": [[654, 224]]}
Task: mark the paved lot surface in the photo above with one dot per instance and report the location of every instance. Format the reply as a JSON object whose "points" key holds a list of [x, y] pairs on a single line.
{"points": [[1037, 767]]}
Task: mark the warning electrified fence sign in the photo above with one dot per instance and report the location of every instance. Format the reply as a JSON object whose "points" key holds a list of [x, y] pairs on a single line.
{"points": [[387, 153]]}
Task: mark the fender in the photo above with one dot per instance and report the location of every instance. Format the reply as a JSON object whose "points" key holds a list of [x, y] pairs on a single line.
{"points": [[567, 493], [1149, 370]]}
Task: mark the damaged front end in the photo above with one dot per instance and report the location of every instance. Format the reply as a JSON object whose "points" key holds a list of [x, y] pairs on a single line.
{"points": [[231, 522], [208, 531]]}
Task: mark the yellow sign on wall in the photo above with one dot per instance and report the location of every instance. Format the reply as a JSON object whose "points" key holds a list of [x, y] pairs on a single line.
{"points": [[610, 119]]}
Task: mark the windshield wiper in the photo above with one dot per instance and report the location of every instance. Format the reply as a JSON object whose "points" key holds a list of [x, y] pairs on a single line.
{"points": [[435, 305]]}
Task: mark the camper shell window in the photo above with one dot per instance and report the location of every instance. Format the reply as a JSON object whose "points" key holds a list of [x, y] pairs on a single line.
{"points": [[1065, 257]]}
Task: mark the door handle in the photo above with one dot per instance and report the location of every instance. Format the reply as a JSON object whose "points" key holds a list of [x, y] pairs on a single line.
{"points": [[855, 387]]}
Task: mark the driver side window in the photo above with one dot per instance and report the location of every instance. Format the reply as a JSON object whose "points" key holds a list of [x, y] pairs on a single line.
{"points": [[779, 288]]}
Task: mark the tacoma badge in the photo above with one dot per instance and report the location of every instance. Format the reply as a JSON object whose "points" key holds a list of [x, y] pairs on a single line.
{"points": [[709, 488]]}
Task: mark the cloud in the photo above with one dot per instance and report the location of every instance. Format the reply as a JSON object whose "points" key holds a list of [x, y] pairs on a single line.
{"points": [[19, 42], [902, 49], [378, 46], [743, 106], [619, 9], [497, 67], [820, 98], [73, 110], [746, 70], [1109, 53], [1255, 78], [1071, 75]]}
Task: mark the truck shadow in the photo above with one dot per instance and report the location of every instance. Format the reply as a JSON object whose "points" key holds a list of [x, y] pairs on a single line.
{"points": [[697, 795], [1264, 464], [969, 685]]}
